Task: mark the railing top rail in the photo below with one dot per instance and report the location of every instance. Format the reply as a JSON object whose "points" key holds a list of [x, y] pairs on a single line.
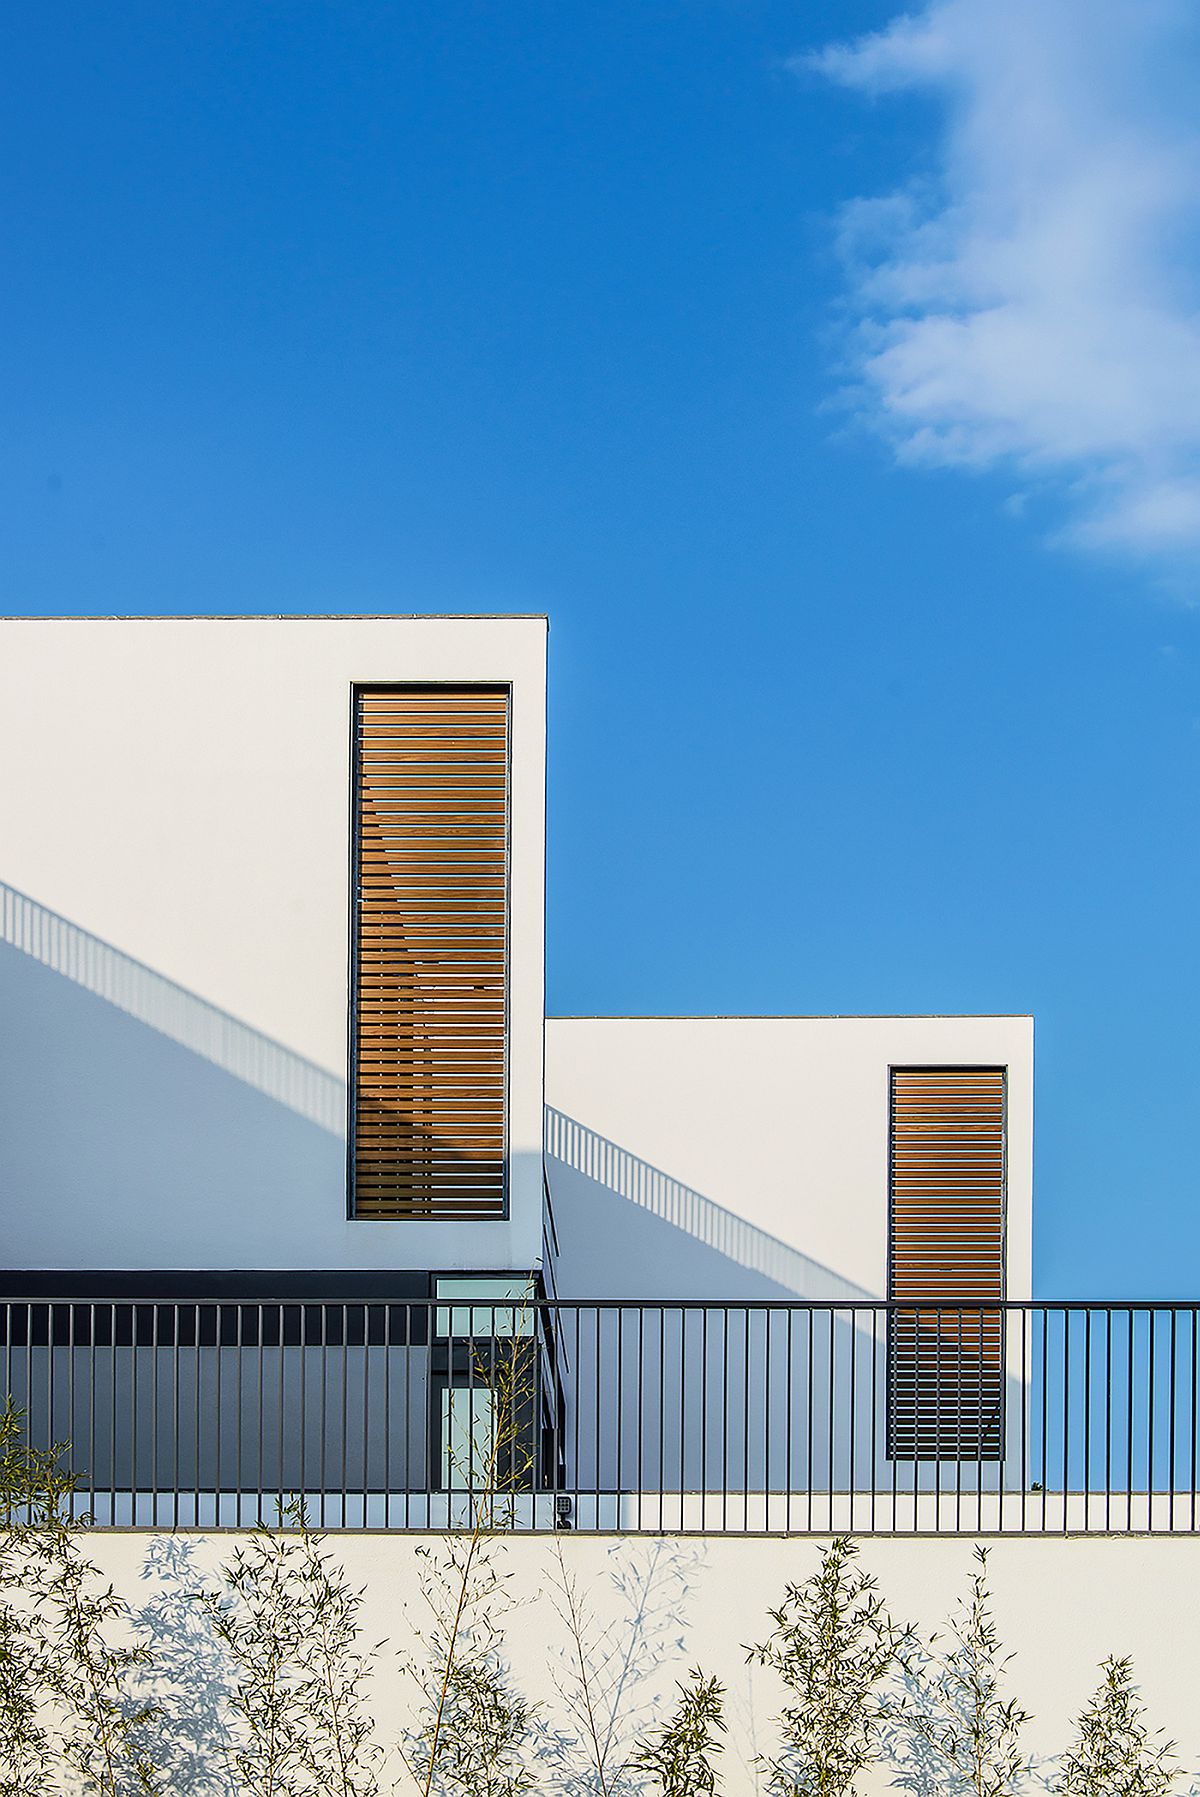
{"points": [[461, 1302]]}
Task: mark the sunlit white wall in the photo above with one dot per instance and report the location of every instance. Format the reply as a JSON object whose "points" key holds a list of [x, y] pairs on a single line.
{"points": [[173, 1055], [746, 1157]]}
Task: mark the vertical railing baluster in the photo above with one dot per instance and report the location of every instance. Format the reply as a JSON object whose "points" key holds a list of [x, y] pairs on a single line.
{"points": [[788, 1476], [704, 1417], [408, 1429], [1026, 1416], [1108, 1420], [1129, 1429], [939, 1423], [1044, 1411], [768, 1314], [1151, 1332], [199, 1405], [70, 1378], [808, 1470], [239, 1332], [919, 1426], [662, 1409], [1066, 1426], [260, 1463], [1087, 1418], [8, 1347], [682, 1383], [218, 1481], [724, 1418], [366, 1316], [119, 1443], [875, 1419], [50, 1315], [551, 1328], [960, 1403], [280, 1312], [433, 1469], [112, 1416], [832, 1430], [853, 1414], [387, 1414], [745, 1419], [576, 1480], [27, 1394], [1195, 1479], [981, 1418], [1171, 1421], [599, 1407], [891, 1444], [323, 1470], [344, 1456], [302, 1444]]}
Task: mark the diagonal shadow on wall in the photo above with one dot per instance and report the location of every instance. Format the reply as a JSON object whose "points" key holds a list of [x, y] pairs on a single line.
{"points": [[617, 1214], [142, 1125], [162, 1004], [635, 1210]]}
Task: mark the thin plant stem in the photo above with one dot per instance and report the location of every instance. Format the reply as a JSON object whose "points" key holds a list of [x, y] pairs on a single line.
{"points": [[504, 1430], [575, 1628]]}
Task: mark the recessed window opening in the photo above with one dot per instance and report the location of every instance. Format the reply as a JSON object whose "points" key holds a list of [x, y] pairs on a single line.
{"points": [[428, 1072]]}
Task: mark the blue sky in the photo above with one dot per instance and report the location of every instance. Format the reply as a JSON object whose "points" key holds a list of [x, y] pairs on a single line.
{"points": [[831, 379]]}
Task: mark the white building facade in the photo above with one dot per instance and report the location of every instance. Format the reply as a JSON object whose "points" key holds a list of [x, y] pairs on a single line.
{"points": [[305, 1198], [178, 925], [277, 1077]]}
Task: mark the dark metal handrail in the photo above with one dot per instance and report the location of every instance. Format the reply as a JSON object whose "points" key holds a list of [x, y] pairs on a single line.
{"points": [[693, 1415]]}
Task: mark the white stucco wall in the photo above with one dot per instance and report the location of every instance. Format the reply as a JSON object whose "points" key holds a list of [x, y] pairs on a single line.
{"points": [[172, 1093], [746, 1157], [660, 1605]]}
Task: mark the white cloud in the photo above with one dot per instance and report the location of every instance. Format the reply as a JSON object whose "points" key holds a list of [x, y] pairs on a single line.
{"points": [[1034, 302]]}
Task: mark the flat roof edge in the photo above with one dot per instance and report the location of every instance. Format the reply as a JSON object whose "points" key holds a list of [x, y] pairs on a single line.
{"points": [[790, 1017], [273, 617]]}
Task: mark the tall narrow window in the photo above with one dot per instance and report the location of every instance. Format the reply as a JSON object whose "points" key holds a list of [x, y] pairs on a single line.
{"points": [[428, 1074], [946, 1263]]}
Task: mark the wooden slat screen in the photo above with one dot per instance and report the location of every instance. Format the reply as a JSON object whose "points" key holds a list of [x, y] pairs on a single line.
{"points": [[428, 1079], [946, 1249]]}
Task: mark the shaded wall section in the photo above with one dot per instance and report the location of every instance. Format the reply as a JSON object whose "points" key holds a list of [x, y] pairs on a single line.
{"points": [[143, 1127], [632, 1229]]}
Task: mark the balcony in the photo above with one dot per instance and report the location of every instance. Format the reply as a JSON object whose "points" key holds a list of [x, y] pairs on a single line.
{"points": [[543, 1415]]}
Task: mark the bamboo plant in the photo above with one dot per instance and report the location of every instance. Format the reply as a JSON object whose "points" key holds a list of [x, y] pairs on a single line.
{"points": [[1115, 1754], [68, 1709], [952, 1714], [290, 1623], [678, 1757], [831, 1645], [475, 1734]]}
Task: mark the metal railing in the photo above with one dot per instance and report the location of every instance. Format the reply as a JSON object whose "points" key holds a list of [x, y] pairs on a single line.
{"points": [[692, 1417]]}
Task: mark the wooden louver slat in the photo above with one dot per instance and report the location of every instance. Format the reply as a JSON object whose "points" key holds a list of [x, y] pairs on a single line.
{"points": [[946, 1260], [431, 952]]}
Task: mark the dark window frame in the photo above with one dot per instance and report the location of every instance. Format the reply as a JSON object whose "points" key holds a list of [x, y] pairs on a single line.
{"points": [[358, 689], [914, 1426]]}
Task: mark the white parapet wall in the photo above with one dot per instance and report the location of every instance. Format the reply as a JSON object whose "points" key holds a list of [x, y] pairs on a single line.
{"points": [[665, 1603]]}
